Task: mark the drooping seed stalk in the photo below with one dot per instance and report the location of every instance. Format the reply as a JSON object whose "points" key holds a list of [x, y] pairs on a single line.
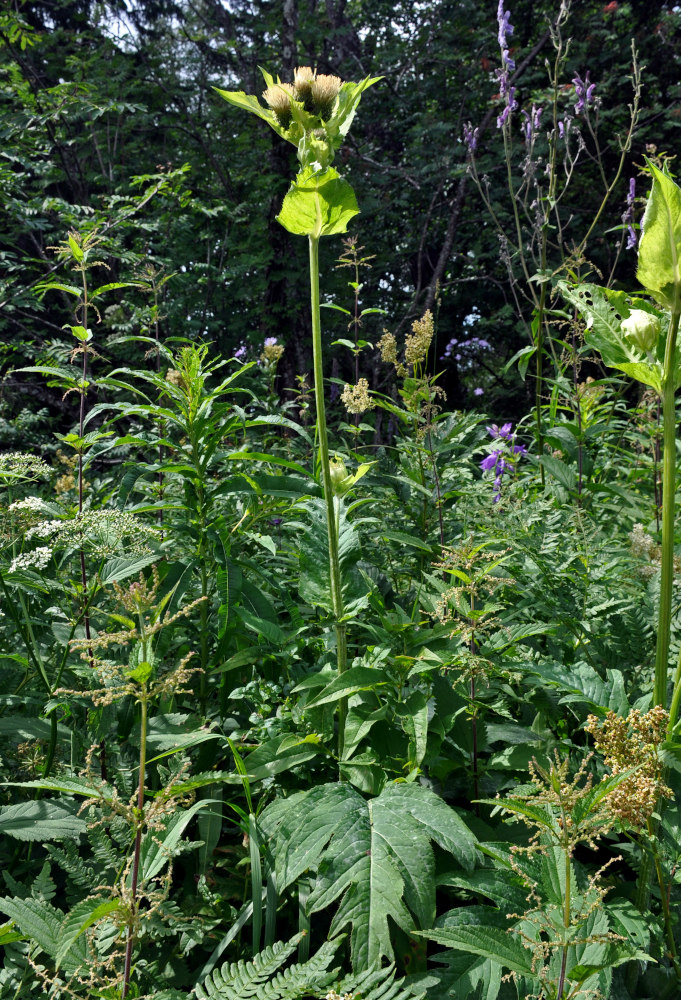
{"points": [[668, 505], [331, 523]]}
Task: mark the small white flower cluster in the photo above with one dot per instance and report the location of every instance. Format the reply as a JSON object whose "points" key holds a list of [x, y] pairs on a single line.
{"points": [[102, 531], [29, 504], [16, 465], [641, 542], [38, 559]]}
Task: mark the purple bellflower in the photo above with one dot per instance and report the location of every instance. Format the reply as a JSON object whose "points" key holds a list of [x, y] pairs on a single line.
{"points": [[503, 459]]}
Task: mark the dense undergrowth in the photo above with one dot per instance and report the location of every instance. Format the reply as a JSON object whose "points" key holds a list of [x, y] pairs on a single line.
{"points": [[379, 705], [173, 785]]}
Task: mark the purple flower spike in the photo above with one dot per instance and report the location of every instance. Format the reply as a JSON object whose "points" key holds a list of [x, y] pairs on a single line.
{"points": [[490, 462], [478, 391], [500, 432], [584, 90], [470, 137]]}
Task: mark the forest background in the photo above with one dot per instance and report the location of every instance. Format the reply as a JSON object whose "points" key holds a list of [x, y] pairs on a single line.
{"points": [[107, 114]]}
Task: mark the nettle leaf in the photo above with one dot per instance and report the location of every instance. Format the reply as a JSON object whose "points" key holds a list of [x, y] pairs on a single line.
{"points": [[42, 820], [37, 920], [375, 857], [659, 264], [82, 916], [318, 204], [495, 943], [603, 310]]}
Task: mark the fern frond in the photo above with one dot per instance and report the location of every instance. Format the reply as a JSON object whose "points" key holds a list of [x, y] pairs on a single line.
{"points": [[69, 860], [240, 980], [378, 984]]}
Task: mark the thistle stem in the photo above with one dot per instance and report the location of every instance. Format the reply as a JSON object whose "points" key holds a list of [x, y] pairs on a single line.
{"points": [[668, 494], [331, 524]]}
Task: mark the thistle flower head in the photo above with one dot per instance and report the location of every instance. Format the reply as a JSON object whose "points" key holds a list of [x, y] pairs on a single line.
{"points": [[324, 91], [339, 476], [303, 77], [279, 99]]}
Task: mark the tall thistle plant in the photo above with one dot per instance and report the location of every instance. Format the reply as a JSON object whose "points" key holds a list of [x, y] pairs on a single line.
{"points": [[314, 114], [627, 332]]}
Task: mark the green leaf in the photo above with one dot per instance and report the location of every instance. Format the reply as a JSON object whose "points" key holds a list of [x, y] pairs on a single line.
{"points": [[42, 820], [160, 845], [70, 786], [659, 255], [82, 916], [76, 249], [350, 682], [315, 578], [491, 942], [374, 856], [318, 204], [603, 310], [37, 920], [121, 567]]}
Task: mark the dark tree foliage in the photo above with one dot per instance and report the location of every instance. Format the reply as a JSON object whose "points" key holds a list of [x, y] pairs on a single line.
{"points": [[108, 118]]}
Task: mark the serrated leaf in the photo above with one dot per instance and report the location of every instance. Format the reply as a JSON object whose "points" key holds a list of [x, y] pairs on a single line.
{"points": [[43, 820], [350, 682], [121, 567], [374, 856], [494, 943], [37, 920], [82, 916], [315, 578]]}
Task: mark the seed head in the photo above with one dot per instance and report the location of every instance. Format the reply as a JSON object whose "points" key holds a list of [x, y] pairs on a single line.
{"points": [[356, 398], [417, 343], [279, 99]]}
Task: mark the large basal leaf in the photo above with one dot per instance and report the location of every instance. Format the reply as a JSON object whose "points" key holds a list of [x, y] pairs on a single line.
{"points": [[315, 578], [43, 820], [374, 857], [318, 204], [659, 266]]}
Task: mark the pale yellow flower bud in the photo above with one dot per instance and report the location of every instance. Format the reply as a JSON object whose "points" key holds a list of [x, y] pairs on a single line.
{"points": [[641, 329], [324, 92], [279, 99], [303, 78], [356, 398], [339, 477], [417, 343]]}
